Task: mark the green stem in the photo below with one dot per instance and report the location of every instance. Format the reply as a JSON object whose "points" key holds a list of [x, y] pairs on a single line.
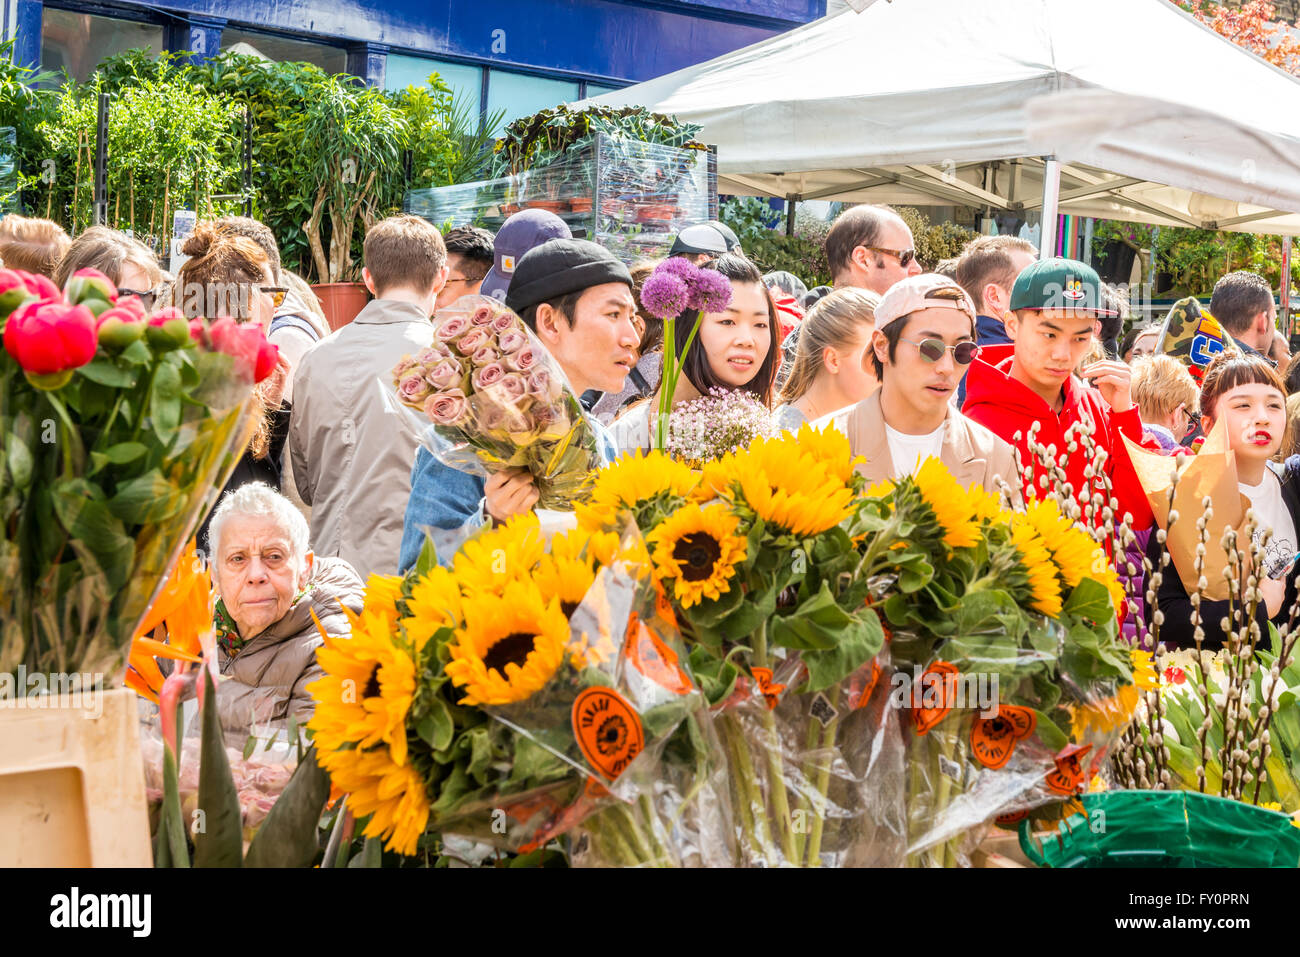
{"points": [[809, 745], [775, 764], [753, 819], [824, 782], [144, 404]]}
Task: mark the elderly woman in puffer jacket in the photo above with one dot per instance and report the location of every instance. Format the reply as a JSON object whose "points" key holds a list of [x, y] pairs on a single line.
{"points": [[268, 583]]}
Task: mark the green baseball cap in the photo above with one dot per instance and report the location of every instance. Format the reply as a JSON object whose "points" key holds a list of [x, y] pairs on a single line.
{"points": [[1059, 284]]}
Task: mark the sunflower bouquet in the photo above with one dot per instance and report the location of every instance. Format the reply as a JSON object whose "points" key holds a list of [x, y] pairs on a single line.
{"points": [[496, 400], [1008, 660], [504, 698], [756, 554]]}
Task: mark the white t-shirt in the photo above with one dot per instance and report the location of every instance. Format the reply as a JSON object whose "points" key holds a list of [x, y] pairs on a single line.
{"points": [[1271, 514], [909, 451]]}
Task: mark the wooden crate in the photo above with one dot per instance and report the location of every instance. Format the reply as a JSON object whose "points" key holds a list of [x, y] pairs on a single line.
{"points": [[72, 784]]}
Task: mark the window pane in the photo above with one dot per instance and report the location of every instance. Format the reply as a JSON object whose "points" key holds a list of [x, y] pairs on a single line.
{"points": [[595, 90], [522, 95], [79, 41], [283, 50], [466, 82]]}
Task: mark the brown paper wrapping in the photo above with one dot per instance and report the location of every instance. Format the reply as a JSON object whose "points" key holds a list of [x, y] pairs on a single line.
{"points": [[1212, 472]]}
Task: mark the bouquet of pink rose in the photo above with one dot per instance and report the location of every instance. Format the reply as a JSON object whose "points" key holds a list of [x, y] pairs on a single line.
{"points": [[498, 400]]}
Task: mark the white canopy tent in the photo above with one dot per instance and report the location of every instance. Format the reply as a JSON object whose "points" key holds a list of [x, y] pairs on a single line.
{"points": [[1144, 114]]}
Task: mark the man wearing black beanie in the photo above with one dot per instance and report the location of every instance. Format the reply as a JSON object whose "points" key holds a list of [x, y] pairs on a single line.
{"points": [[577, 298]]}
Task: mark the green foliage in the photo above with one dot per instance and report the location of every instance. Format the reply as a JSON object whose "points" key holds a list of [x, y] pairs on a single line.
{"points": [[749, 217], [448, 143], [24, 108], [802, 257], [934, 242], [549, 134]]}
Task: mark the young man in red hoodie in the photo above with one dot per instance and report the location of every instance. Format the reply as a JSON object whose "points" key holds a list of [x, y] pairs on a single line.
{"points": [[1055, 309]]}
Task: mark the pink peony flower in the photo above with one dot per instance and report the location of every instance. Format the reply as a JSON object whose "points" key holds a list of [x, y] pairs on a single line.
{"points": [[451, 329], [414, 389], [524, 360], [444, 375], [446, 408], [488, 375], [49, 339], [512, 340]]}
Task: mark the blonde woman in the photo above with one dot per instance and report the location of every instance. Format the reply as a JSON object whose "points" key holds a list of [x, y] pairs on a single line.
{"points": [[1166, 396], [832, 361]]}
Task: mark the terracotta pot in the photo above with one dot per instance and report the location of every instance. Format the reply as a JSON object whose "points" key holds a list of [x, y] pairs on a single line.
{"points": [[660, 212], [550, 205], [341, 301], [581, 205], [509, 209]]}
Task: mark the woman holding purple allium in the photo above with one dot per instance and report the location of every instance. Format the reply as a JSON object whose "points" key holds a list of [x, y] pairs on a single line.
{"points": [[722, 335]]}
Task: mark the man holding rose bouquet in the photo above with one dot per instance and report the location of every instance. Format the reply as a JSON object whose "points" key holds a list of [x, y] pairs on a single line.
{"points": [[576, 297]]}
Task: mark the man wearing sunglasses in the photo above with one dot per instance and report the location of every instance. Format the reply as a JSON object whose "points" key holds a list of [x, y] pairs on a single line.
{"points": [[870, 247], [1055, 311], [924, 342]]}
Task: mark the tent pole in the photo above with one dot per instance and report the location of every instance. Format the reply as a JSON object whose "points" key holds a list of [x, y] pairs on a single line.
{"points": [[1284, 289], [1051, 200], [790, 203]]}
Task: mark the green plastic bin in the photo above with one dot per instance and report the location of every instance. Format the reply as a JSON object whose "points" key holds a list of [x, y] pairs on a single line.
{"points": [[1166, 829]]}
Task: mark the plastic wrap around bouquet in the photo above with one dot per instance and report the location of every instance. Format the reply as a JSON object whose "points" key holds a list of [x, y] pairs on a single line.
{"points": [[504, 699], [119, 430], [497, 400]]}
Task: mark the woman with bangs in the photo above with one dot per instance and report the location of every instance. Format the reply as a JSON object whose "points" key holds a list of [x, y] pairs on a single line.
{"points": [[736, 349], [1245, 391]]}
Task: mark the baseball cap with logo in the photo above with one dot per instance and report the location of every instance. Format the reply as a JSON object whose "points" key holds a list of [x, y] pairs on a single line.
{"points": [[518, 234], [926, 291], [1059, 284]]}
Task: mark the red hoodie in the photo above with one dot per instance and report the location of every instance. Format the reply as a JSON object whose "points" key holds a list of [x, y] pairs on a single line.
{"points": [[1005, 406]]}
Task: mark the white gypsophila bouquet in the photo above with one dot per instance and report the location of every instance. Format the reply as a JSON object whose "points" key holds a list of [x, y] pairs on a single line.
{"points": [[705, 429]]}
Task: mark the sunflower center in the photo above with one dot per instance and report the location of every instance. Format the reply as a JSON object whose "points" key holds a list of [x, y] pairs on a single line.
{"points": [[569, 607], [372, 686], [697, 553], [512, 649]]}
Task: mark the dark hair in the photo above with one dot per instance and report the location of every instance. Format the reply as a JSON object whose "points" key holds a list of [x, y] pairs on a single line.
{"points": [[1131, 337], [565, 305], [1238, 298], [1230, 369], [695, 365], [258, 232], [1114, 301], [1292, 375], [858, 226], [472, 244]]}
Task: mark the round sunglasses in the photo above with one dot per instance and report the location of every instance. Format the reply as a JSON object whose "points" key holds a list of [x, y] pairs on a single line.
{"points": [[932, 350]]}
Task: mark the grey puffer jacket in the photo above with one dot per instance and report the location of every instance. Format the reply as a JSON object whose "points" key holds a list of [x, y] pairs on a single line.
{"points": [[266, 680]]}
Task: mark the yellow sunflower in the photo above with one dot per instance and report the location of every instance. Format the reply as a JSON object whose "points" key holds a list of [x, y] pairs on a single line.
{"points": [[599, 548], [435, 603], [985, 507], [879, 490], [366, 691], [785, 488], [393, 795], [1044, 590], [1105, 715], [509, 647], [828, 446], [949, 502], [564, 578], [1076, 554], [506, 553], [698, 549], [1144, 669], [630, 481], [383, 592]]}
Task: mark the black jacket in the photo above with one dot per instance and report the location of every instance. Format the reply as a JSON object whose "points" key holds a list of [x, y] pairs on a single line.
{"points": [[1177, 630]]}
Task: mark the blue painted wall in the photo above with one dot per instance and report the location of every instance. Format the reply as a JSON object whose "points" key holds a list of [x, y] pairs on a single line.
{"points": [[604, 41]]}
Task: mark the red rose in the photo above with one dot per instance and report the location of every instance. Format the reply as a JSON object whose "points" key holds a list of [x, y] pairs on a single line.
{"points": [[49, 340]]}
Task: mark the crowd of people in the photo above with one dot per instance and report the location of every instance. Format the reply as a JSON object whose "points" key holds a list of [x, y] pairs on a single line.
{"points": [[995, 363]]}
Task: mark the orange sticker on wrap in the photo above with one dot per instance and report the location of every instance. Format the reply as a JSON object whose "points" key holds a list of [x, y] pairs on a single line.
{"points": [[926, 717], [653, 658], [607, 729], [993, 740], [1067, 777], [771, 692]]}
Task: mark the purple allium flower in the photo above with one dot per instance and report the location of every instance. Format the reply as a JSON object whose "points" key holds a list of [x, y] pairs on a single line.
{"points": [[679, 267], [664, 295], [711, 291]]}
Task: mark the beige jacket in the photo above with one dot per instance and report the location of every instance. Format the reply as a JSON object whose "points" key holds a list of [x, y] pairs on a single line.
{"points": [[266, 680], [973, 454], [352, 458]]}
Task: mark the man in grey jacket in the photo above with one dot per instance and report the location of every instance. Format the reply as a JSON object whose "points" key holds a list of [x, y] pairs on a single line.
{"points": [[351, 459]]}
